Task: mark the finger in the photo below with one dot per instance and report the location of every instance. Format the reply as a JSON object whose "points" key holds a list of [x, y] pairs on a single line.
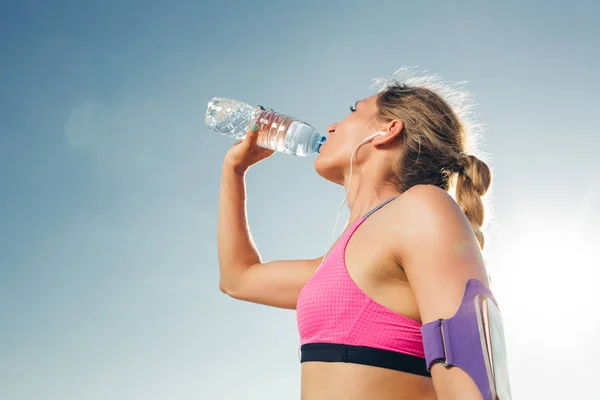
{"points": [[260, 107], [252, 135]]}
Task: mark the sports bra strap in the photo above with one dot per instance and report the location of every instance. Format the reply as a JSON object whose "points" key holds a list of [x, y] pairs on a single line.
{"points": [[378, 207]]}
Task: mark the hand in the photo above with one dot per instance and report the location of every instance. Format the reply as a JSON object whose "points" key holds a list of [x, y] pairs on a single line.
{"points": [[246, 152]]}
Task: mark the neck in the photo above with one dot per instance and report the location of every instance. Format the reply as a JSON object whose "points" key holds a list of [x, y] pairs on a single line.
{"points": [[367, 192]]}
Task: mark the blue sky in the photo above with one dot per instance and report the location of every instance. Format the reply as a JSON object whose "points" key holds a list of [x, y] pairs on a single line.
{"points": [[109, 182]]}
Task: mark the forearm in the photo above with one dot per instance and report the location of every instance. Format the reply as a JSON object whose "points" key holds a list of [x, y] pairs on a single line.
{"points": [[236, 250]]}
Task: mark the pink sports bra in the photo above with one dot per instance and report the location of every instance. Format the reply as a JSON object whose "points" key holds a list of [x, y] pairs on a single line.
{"points": [[338, 322]]}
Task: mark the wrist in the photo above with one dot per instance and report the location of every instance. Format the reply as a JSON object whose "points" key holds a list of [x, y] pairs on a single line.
{"points": [[234, 169]]}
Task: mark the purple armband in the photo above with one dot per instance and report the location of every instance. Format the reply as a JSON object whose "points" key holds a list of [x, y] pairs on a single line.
{"points": [[472, 340]]}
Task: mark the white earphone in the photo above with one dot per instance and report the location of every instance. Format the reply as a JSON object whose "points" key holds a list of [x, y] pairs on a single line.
{"points": [[365, 140]]}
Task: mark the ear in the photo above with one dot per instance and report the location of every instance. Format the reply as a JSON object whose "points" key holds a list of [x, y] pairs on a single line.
{"points": [[389, 133]]}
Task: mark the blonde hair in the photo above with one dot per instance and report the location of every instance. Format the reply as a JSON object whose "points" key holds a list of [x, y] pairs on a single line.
{"points": [[435, 146]]}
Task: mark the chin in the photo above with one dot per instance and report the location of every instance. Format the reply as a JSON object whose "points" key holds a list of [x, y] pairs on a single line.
{"points": [[327, 168]]}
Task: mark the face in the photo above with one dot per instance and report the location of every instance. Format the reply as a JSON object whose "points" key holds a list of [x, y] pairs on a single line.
{"points": [[333, 161]]}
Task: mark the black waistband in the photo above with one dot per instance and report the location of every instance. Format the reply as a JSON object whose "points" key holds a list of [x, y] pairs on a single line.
{"points": [[328, 352]]}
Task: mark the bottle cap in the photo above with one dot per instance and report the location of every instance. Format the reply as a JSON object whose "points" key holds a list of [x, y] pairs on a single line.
{"points": [[321, 141]]}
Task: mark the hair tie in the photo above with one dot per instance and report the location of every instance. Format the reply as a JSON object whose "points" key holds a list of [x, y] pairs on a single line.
{"points": [[463, 163]]}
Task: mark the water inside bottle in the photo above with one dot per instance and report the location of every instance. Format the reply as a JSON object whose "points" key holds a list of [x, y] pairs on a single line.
{"points": [[273, 129], [286, 134], [276, 131]]}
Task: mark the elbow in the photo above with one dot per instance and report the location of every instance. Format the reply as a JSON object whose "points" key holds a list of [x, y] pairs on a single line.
{"points": [[227, 287], [229, 283], [224, 281], [223, 288], [231, 291]]}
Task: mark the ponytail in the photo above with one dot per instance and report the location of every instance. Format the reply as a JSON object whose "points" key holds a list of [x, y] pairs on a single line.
{"points": [[474, 179]]}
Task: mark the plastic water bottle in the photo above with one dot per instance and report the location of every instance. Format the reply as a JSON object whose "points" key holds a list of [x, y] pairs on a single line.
{"points": [[276, 131]]}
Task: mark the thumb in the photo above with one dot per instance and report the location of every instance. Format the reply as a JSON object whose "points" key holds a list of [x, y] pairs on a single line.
{"points": [[252, 135]]}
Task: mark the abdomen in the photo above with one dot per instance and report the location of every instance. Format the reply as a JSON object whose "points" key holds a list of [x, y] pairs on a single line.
{"points": [[326, 381]]}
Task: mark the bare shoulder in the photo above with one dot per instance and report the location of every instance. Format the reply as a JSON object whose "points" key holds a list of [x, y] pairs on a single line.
{"points": [[434, 242], [427, 211], [429, 200]]}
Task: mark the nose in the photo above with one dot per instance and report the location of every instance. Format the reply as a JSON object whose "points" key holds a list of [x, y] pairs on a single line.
{"points": [[331, 128]]}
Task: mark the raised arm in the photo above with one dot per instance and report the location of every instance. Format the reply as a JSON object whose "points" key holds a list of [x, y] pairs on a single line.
{"points": [[242, 274]]}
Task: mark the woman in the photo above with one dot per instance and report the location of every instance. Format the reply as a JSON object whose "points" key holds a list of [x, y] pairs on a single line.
{"points": [[402, 261]]}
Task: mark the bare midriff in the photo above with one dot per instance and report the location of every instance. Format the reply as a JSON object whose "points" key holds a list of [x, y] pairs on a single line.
{"points": [[331, 381]]}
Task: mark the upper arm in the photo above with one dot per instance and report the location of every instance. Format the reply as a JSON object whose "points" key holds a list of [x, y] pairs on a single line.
{"points": [[439, 256], [276, 283]]}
